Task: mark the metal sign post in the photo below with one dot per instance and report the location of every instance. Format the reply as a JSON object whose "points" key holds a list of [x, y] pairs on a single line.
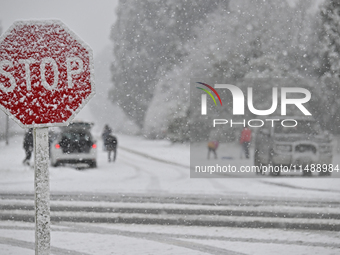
{"points": [[47, 77], [42, 192]]}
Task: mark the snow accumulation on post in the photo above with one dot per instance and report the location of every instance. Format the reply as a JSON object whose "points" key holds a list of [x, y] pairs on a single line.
{"points": [[47, 77], [42, 192]]}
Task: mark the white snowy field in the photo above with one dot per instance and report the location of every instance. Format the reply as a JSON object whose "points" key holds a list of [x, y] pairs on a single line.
{"points": [[156, 167]]}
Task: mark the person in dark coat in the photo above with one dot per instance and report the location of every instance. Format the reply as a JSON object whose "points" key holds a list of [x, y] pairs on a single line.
{"points": [[107, 131], [28, 146], [111, 146]]}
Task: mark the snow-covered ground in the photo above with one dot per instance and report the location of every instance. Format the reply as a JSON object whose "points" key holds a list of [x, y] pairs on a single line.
{"points": [[74, 238], [158, 168], [155, 167]]}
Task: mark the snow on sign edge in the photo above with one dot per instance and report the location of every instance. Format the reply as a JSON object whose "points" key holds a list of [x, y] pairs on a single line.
{"points": [[91, 65]]}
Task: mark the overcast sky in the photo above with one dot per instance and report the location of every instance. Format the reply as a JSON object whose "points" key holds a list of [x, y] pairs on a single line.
{"points": [[91, 20]]}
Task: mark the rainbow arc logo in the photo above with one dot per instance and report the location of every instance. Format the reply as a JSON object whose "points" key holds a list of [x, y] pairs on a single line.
{"points": [[204, 97], [239, 99]]}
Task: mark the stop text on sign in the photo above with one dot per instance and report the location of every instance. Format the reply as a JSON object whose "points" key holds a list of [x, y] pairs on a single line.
{"points": [[74, 65], [46, 73]]}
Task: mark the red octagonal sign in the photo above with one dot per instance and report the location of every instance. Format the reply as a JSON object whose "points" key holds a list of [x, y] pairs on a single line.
{"points": [[46, 73]]}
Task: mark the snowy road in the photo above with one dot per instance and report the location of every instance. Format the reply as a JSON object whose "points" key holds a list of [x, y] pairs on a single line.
{"points": [[188, 211], [147, 199], [155, 167], [76, 238]]}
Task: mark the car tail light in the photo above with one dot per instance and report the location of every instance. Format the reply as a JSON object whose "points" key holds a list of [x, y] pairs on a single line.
{"points": [[94, 146], [57, 146]]}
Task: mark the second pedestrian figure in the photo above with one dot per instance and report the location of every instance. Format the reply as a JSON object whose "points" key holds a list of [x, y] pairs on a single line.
{"points": [[245, 140], [212, 147], [111, 146]]}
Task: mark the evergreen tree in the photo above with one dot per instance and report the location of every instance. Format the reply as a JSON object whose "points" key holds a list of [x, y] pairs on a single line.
{"points": [[330, 38], [329, 70], [250, 40], [149, 38]]}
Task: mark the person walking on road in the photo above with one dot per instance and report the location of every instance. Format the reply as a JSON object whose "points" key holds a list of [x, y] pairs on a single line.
{"points": [[111, 146], [212, 147], [245, 140], [107, 131], [28, 146]]}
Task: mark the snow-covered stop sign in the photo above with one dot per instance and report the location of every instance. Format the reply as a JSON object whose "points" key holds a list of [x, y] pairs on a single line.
{"points": [[46, 73]]}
